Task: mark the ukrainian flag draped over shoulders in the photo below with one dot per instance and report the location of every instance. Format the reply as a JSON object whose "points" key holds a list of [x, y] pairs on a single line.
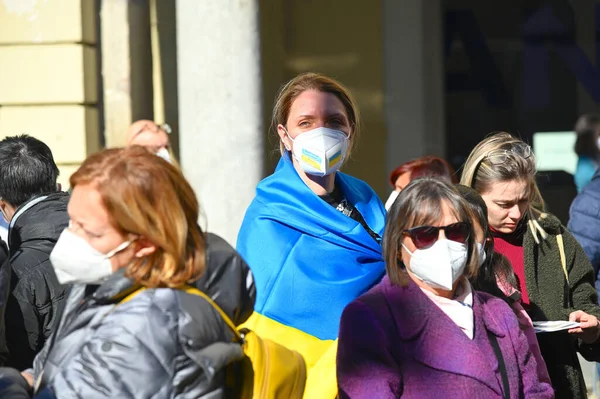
{"points": [[308, 259]]}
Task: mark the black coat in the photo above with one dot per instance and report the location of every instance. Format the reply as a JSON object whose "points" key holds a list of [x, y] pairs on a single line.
{"points": [[36, 298], [228, 279], [4, 293]]}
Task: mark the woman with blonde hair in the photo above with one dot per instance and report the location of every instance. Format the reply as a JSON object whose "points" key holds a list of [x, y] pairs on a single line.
{"points": [[131, 251], [312, 234], [153, 137], [553, 274]]}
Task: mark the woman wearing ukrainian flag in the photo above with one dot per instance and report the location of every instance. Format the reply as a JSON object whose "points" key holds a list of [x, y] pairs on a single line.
{"points": [[312, 235]]}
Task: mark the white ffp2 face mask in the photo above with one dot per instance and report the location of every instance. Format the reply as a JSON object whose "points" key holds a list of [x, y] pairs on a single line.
{"points": [[320, 151], [482, 254], [164, 154], [391, 199], [76, 261], [440, 265]]}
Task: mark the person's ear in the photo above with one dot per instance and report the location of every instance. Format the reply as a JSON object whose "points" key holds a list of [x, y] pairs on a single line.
{"points": [[399, 260], [283, 136], [143, 248], [7, 210]]}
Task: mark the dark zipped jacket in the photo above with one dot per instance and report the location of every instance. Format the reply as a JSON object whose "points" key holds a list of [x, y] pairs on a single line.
{"points": [[584, 222], [4, 293], [36, 298]]}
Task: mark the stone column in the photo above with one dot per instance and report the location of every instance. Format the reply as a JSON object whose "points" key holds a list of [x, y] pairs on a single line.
{"points": [[414, 91], [220, 107], [126, 66]]}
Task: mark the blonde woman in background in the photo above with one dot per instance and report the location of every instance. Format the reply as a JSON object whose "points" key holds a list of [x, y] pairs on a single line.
{"points": [[502, 170], [153, 137]]}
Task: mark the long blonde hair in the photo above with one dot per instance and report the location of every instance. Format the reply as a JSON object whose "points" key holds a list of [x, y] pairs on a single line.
{"points": [[146, 196], [318, 82], [501, 157]]}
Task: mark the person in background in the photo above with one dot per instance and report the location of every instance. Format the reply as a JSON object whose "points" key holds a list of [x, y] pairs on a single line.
{"points": [[554, 276], [587, 147], [427, 166], [495, 275], [423, 331], [151, 136], [312, 234], [36, 210], [584, 222], [132, 250]]}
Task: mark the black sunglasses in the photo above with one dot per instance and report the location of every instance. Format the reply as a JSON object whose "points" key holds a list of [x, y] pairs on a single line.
{"points": [[425, 236]]}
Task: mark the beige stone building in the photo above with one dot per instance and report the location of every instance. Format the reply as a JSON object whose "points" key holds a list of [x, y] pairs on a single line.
{"points": [[75, 73], [430, 77]]}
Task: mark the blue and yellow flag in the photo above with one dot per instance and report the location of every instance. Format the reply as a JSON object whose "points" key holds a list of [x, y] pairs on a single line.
{"points": [[309, 261]]}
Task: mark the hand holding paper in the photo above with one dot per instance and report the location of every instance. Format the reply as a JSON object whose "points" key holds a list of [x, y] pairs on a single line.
{"points": [[588, 330]]}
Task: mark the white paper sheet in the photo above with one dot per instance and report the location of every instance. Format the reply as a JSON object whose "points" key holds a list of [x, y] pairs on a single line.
{"points": [[553, 326]]}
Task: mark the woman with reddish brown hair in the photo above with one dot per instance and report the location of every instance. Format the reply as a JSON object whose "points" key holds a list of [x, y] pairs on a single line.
{"points": [[132, 249], [427, 166]]}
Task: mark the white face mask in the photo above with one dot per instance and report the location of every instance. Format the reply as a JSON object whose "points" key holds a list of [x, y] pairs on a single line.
{"points": [[4, 215], [391, 199], [482, 254], [164, 154], [320, 151], [440, 265], [76, 261]]}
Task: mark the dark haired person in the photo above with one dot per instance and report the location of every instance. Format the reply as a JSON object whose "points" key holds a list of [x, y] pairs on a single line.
{"points": [[37, 213], [587, 148]]}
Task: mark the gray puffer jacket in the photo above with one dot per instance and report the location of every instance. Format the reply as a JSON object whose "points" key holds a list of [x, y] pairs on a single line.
{"points": [[162, 343]]}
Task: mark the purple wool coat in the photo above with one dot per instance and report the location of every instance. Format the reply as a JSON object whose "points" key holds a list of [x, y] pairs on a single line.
{"points": [[395, 342]]}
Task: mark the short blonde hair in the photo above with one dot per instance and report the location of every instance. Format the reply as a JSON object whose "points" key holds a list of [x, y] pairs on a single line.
{"points": [[480, 173], [146, 196], [314, 81]]}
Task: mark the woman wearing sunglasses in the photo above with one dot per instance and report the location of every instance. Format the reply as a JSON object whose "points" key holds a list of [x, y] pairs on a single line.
{"points": [[554, 276], [423, 331]]}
